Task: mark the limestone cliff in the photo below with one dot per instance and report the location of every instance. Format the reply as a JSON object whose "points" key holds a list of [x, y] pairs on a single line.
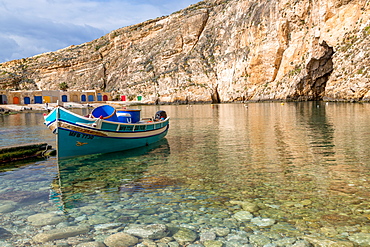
{"points": [[220, 51]]}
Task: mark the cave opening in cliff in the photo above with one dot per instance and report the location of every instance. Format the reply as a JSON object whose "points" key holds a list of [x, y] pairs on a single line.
{"points": [[215, 96], [318, 70]]}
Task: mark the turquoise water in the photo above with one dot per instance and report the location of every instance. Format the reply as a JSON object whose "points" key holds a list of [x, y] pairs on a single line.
{"points": [[303, 165]]}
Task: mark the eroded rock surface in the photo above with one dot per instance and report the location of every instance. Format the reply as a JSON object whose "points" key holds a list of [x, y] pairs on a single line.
{"points": [[219, 51]]}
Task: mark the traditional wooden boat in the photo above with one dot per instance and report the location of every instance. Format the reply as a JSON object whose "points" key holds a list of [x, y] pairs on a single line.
{"points": [[105, 130]]}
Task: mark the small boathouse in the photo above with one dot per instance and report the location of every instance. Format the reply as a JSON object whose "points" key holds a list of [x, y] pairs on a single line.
{"points": [[52, 96]]}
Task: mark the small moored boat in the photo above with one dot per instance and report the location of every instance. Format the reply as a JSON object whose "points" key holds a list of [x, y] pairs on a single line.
{"points": [[105, 130]]}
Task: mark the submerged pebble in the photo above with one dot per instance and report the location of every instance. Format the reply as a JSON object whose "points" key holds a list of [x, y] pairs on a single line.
{"points": [[42, 227], [133, 222]]}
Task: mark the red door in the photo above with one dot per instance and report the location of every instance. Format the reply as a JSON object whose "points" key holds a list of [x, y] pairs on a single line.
{"points": [[15, 100]]}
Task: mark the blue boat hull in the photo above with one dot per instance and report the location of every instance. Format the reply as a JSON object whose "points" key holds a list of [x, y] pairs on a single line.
{"points": [[78, 135], [71, 143]]}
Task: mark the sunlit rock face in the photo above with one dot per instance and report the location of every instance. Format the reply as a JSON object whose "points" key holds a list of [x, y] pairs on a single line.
{"points": [[219, 51]]}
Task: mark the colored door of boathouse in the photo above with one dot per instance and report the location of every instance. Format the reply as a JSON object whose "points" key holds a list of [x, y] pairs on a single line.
{"points": [[47, 99], [3, 99], [16, 100], [64, 98], [38, 99], [27, 100], [83, 98]]}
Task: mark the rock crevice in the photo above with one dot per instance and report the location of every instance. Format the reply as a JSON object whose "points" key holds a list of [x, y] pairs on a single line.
{"points": [[312, 86]]}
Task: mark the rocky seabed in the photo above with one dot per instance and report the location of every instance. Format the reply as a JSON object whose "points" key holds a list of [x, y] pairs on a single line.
{"points": [[129, 222], [34, 214]]}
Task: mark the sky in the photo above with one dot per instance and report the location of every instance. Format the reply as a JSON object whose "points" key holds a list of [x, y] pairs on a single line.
{"points": [[31, 27]]}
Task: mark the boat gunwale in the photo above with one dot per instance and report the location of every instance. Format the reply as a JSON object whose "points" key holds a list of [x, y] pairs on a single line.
{"points": [[93, 120], [164, 128], [138, 123], [114, 131]]}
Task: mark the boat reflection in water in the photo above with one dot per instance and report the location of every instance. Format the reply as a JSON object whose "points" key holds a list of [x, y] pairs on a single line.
{"points": [[102, 176]]}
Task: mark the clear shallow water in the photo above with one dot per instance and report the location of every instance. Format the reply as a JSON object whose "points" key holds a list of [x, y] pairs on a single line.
{"points": [[304, 165], [24, 128]]}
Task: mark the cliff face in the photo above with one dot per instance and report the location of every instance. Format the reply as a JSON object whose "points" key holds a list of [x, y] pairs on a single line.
{"points": [[220, 51]]}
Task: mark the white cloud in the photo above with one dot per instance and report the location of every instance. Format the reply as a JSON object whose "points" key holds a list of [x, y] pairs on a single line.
{"points": [[8, 48], [32, 27]]}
